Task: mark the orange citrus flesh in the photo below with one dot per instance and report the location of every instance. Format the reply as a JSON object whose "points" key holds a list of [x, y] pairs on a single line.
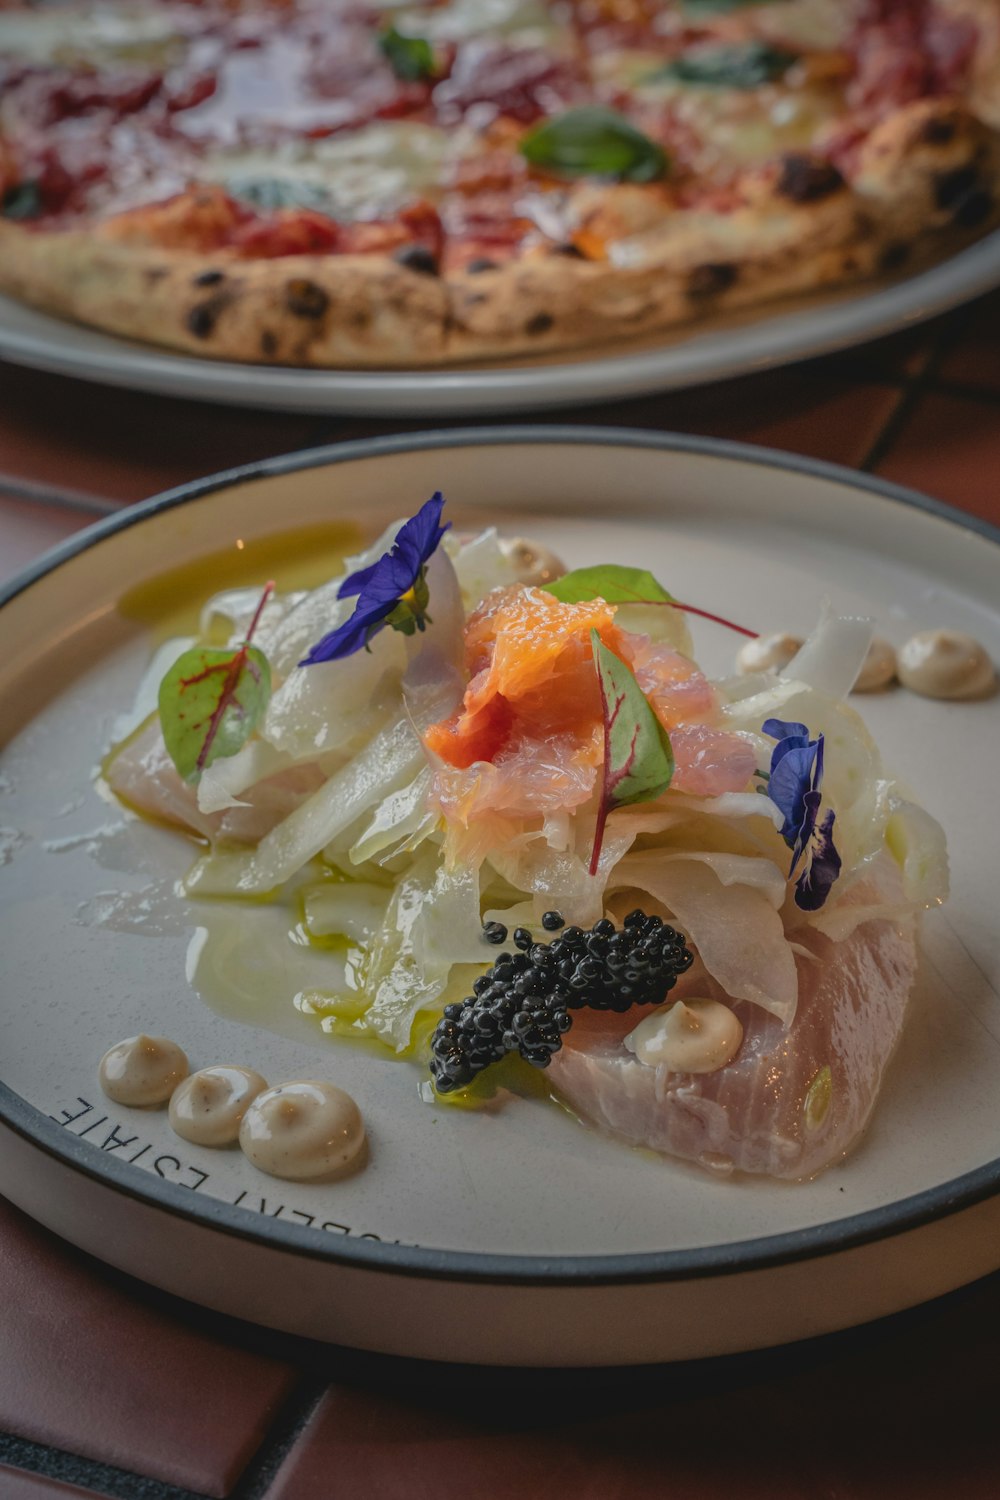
{"points": [[532, 675]]}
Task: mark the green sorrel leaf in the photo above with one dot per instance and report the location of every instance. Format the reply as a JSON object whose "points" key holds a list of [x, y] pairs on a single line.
{"points": [[638, 759]]}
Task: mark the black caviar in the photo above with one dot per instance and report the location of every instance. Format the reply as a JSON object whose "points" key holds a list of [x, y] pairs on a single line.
{"points": [[495, 932], [523, 1001]]}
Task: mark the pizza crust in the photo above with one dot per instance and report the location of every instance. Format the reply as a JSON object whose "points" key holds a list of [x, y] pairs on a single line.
{"points": [[927, 182]]}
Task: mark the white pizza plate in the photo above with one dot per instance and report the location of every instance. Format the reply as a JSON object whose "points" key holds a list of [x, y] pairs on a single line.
{"points": [[513, 1236], [758, 340]]}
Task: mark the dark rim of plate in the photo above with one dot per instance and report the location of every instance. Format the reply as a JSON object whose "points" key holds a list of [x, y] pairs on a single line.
{"points": [[838, 1235]]}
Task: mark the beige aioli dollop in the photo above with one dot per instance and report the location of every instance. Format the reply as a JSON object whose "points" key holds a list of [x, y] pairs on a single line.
{"points": [[767, 653], [533, 563], [306, 1131], [878, 668], [946, 664], [208, 1107], [142, 1071], [697, 1035]]}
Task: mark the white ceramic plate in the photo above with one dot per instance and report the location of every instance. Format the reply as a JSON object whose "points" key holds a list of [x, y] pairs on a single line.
{"points": [[773, 335], [516, 1236]]}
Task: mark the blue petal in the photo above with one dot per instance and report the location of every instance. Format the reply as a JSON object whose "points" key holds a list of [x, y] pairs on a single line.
{"points": [[356, 582], [415, 542], [791, 779], [780, 729], [802, 840], [351, 636], [418, 538], [381, 586], [813, 885]]}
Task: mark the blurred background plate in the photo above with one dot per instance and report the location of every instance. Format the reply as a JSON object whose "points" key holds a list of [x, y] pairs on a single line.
{"points": [[514, 1236], [776, 334]]}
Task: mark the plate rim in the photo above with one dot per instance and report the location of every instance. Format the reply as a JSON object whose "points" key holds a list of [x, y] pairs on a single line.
{"points": [[780, 336], [738, 1257]]}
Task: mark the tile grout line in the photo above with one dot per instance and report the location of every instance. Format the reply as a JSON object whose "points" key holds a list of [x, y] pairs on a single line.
{"points": [[923, 383], [961, 390], [296, 1414], [113, 1483], [892, 426], [105, 1480], [17, 488]]}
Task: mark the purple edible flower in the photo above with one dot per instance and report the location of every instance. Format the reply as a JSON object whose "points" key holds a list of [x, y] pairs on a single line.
{"points": [[392, 591], [794, 787]]}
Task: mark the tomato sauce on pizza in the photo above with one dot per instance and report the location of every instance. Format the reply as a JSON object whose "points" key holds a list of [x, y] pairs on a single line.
{"points": [[515, 151]]}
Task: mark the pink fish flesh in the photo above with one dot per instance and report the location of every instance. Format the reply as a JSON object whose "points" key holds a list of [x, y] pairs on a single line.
{"points": [[143, 775], [772, 1110]]}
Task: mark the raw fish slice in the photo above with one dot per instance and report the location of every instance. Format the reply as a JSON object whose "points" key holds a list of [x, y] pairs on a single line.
{"points": [[143, 775], [770, 1110], [529, 735], [709, 762], [678, 690]]}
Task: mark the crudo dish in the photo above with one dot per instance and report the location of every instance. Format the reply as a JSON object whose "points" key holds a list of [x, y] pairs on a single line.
{"points": [[548, 852]]}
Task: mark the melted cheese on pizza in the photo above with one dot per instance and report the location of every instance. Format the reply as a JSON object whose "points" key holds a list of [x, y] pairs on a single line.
{"points": [[355, 113]]}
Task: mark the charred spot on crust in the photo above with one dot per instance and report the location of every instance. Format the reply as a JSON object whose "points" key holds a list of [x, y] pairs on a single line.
{"points": [[962, 195], [305, 299], [153, 274], [939, 130], [711, 279], [573, 251], [416, 258], [974, 210], [894, 256], [209, 278], [202, 318], [540, 323], [268, 343], [952, 187], [807, 179], [481, 263]]}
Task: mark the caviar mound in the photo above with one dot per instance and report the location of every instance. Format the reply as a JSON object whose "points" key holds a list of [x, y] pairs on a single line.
{"points": [[523, 1001]]}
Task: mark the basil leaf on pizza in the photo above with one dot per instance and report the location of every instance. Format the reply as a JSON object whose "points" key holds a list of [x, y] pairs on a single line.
{"points": [[270, 194], [23, 201], [746, 66], [410, 57], [720, 7], [594, 141], [321, 183]]}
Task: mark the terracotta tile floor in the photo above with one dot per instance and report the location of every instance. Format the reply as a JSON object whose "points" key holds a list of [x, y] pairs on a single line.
{"points": [[864, 1416]]}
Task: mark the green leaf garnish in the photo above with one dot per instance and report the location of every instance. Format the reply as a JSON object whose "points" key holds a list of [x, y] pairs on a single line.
{"points": [[22, 201], [212, 699], [610, 581], [410, 57], [594, 141], [638, 759], [720, 7], [270, 194], [410, 614], [621, 585], [746, 66]]}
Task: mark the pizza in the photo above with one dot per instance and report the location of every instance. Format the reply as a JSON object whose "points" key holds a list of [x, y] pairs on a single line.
{"points": [[363, 183]]}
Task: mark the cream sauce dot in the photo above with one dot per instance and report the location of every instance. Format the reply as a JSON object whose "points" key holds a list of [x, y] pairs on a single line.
{"points": [[142, 1071], [878, 668], [946, 664], [208, 1107], [697, 1035], [767, 653], [533, 563], [306, 1131]]}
